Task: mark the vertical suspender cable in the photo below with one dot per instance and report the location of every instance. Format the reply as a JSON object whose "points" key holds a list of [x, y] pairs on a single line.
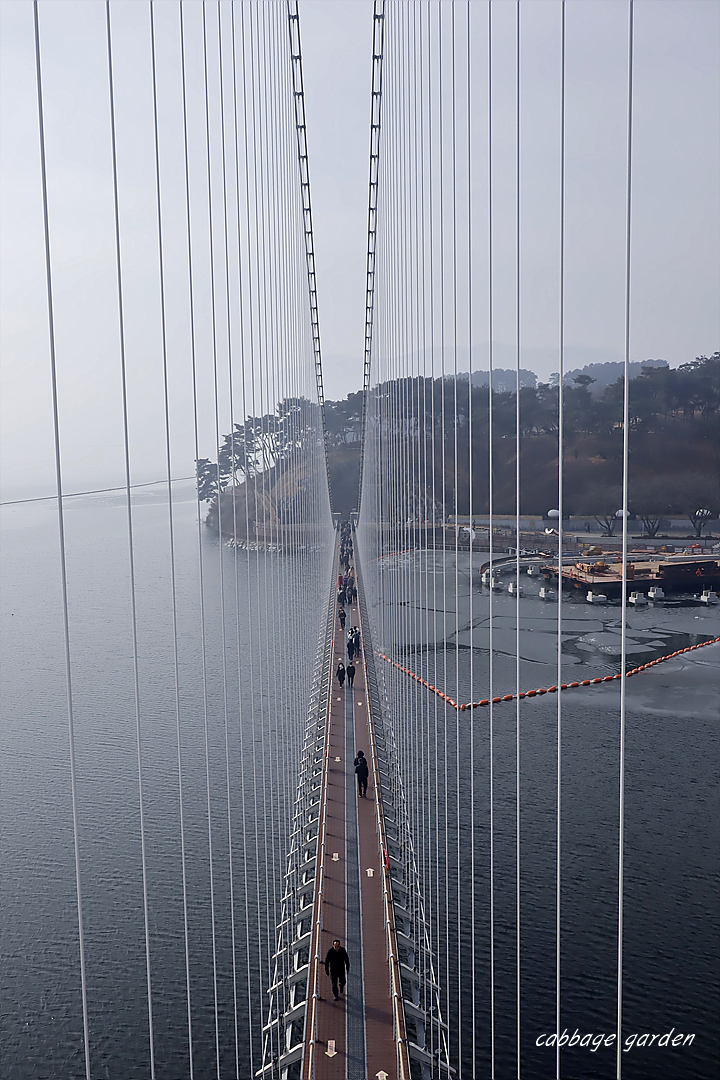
{"points": [[247, 535], [560, 540], [126, 445], [517, 519], [471, 531], [222, 580], [266, 424], [441, 138], [193, 358], [61, 531], [623, 644], [453, 110], [177, 719], [250, 468], [424, 544], [202, 590], [490, 553]]}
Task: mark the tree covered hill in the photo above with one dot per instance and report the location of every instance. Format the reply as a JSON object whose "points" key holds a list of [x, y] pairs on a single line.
{"points": [[422, 426], [674, 455]]}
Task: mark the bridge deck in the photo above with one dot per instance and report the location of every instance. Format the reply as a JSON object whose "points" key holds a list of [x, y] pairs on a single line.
{"points": [[352, 905]]}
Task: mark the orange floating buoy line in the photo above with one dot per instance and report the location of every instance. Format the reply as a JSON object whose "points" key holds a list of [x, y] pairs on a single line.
{"points": [[541, 690]]}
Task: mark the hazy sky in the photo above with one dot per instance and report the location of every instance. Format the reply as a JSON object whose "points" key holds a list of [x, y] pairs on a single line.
{"points": [[676, 230]]}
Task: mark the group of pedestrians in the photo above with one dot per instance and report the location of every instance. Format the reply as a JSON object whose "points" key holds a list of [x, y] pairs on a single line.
{"points": [[346, 545], [347, 591], [353, 643], [337, 961], [345, 672]]}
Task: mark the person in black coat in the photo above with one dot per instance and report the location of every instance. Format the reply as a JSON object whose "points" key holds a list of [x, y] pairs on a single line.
{"points": [[341, 674], [350, 672], [337, 962], [342, 617], [362, 772], [350, 648]]}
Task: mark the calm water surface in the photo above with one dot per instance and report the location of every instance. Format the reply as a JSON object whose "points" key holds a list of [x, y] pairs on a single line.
{"points": [[263, 700]]}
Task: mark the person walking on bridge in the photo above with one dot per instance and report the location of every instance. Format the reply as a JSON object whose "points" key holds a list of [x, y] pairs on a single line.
{"points": [[350, 672], [362, 772], [337, 963], [341, 674]]}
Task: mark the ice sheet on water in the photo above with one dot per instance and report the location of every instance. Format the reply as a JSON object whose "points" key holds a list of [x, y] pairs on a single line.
{"points": [[546, 625], [533, 646], [614, 648]]}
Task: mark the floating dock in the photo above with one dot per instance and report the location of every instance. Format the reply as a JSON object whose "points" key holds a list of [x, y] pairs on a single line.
{"points": [[678, 574]]}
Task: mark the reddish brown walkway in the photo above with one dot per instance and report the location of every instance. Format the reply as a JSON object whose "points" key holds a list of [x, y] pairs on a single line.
{"points": [[368, 958], [331, 1014]]}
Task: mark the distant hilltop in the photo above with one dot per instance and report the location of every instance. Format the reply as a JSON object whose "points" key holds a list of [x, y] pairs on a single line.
{"points": [[603, 375], [606, 374]]}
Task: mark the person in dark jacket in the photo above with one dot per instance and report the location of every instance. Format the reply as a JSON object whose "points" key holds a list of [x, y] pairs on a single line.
{"points": [[337, 962], [342, 616], [350, 672], [362, 772], [341, 674], [350, 648]]}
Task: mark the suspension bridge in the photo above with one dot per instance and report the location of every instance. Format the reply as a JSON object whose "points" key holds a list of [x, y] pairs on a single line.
{"points": [[478, 889]]}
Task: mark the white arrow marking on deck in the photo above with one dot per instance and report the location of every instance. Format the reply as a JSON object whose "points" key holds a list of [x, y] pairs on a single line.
{"points": [[337, 758], [369, 871], [335, 856], [382, 1075], [331, 1051]]}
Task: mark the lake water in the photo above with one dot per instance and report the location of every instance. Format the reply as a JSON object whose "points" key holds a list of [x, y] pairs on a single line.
{"points": [[264, 699], [436, 619], [672, 934]]}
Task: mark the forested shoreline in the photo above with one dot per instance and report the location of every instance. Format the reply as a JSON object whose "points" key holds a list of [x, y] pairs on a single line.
{"points": [[674, 443]]}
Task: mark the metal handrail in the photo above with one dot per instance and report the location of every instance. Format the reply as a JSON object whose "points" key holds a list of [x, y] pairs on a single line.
{"points": [[308, 1068]]}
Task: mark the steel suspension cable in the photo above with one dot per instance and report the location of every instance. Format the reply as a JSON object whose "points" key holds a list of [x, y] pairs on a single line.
{"points": [[241, 338], [226, 260], [517, 521], [472, 540], [202, 607], [61, 532], [453, 113], [623, 590], [561, 457], [491, 691]]}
